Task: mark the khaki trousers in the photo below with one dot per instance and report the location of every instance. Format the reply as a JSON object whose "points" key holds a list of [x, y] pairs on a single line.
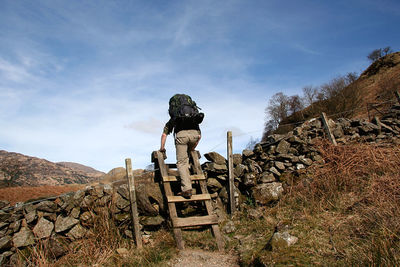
{"points": [[185, 140]]}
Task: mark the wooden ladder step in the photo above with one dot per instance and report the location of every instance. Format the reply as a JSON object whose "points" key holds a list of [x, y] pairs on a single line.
{"points": [[173, 172], [199, 197], [171, 165], [194, 221], [196, 177]]}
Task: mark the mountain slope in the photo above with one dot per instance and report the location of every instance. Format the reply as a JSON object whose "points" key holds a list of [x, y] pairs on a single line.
{"points": [[21, 170], [80, 167]]}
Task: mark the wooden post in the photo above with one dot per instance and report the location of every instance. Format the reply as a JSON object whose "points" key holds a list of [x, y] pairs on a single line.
{"points": [[132, 197], [397, 96], [378, 123], [230, 172], [327, 129]]}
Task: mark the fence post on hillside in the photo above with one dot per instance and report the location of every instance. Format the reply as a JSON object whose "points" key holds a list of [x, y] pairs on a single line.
{"points": [[230, 174], [397, 96], [327, 129], [132, 198], [378, 123]]}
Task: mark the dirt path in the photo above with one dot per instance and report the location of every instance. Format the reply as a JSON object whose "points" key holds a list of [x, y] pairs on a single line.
{"points": [[201, 258]]}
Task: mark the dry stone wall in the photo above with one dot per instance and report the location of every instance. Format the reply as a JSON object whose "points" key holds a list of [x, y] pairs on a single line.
{"points": [[71, 216], [261, 173]]}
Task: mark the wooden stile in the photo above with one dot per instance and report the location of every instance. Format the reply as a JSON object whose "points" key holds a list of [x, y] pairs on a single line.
{"points": [[177, 222], [199, 197]]}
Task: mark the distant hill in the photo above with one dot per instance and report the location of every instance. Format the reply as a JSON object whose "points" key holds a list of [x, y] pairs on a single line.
{"points": [[118, 174], [21, 170], [81, 168]]}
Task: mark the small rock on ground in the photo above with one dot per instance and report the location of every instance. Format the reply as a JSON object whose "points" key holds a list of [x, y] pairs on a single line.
{"points": [[200, 258]]}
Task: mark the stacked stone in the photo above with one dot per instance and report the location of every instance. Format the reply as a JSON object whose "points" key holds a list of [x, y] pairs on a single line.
{"points": [[216, 171], [386, 129], [261, 172], [69, 217], [267, 165]]}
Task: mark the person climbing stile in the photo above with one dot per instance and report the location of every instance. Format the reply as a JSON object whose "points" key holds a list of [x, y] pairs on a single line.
{"points": [[184, 122]]}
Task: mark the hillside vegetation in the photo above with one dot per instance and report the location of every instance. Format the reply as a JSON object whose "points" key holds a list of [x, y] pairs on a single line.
{"points": [[346, 96], [344, 212]]}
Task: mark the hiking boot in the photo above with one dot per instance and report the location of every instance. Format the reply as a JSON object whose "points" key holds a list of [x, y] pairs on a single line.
{"points": [[187, 194]]}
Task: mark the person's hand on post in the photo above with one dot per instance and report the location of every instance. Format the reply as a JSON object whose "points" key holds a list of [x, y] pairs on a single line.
{"points": [[164, 152]]}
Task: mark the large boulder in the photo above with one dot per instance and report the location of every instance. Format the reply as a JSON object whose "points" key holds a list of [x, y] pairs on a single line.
{"points": [[46, 206], [267, 177], [148, 195], [237, 159], [240, 170], [5, 243], [77, 232], [267, 192], [250, 179], [283, 240], [43, 228], [152, 220], [215, 168], [215, 157], [118, 174], [283, 147], [65, 223], [23, 238], [213, 185]]}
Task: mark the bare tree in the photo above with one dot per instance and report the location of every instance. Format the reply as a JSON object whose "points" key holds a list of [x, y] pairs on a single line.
{"points": [[332, 88], [269, 127], [375, 55], [387, 50], [310, 94], [295, 104], [278, 108], [379, 53], [351, 77], [337, 84], [252, 143]]}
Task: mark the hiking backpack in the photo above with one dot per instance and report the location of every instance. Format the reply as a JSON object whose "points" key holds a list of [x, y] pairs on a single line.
{"points": [[183, 109]]}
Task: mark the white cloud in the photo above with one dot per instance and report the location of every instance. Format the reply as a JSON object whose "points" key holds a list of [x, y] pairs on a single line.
{"points": [[13, 72], [150, 126], [74, 87]]}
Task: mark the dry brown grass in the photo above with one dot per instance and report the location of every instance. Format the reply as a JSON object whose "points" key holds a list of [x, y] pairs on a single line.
{"points": [[344, 213], [354, 201], [99, 248], [25, 193]]}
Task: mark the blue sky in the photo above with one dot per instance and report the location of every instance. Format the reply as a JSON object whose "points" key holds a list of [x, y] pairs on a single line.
{"points": [[89, 81]]}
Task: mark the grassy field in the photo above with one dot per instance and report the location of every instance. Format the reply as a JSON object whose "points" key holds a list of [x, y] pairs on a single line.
{"points": [[25, 193]]}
